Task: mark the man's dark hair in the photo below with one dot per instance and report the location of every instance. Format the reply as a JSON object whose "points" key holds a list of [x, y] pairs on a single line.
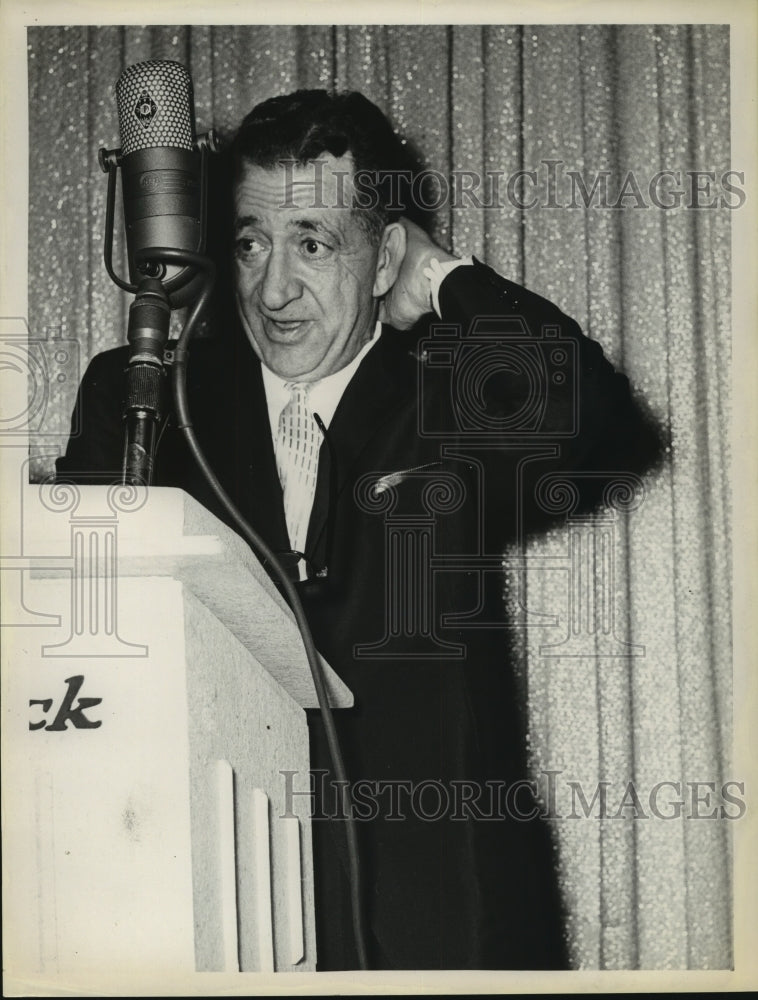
{"points": [[303, 126]]}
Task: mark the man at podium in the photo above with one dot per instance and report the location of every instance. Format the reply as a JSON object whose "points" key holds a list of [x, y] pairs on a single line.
{"points": [[388, 416]]}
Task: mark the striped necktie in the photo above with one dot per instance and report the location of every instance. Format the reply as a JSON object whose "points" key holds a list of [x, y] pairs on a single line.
{"points": [[298, 441]]}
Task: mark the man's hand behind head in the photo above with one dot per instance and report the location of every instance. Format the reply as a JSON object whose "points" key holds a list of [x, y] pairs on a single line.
{"points": [[409, 298]]}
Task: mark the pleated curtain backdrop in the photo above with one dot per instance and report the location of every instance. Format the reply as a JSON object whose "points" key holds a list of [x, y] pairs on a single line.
{"points": [[652, 703]]}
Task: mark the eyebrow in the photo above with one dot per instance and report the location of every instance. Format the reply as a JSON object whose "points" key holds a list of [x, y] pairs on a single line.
{"points": [[245, 220], [304, 225]]}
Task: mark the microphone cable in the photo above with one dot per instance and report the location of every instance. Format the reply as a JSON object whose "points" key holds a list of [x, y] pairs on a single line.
{"points": [[268, 557]]}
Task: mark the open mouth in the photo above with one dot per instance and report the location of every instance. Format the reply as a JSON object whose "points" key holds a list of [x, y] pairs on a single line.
{"points": [[287, 324], [283, 327]]}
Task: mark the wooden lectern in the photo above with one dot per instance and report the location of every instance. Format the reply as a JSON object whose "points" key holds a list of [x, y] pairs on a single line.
{"points": [[156, 742]]}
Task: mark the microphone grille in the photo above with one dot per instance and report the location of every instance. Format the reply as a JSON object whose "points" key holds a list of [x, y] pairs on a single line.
{"points": [[155, 106]]}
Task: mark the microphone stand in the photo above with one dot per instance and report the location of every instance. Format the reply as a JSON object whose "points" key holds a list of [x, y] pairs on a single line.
{"points": [[144, 407]]}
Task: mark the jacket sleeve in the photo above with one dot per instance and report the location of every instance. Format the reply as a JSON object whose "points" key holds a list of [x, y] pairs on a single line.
{"points": [[541, 393], [94, 450], [94, 454]]}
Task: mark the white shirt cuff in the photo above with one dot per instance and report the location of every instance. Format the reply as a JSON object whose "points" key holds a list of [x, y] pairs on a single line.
{"points": [[437, 272]]}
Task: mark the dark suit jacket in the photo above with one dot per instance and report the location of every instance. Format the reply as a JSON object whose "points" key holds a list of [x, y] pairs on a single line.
{"points": [[457, 427]]}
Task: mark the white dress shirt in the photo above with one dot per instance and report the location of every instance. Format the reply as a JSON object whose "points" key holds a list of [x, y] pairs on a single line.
{"points": [[324, 395]]}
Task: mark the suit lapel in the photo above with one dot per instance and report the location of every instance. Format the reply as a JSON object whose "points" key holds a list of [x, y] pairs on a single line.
{"points": [[382, 382]]}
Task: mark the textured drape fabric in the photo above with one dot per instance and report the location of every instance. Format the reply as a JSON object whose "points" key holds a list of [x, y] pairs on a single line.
{"points": [[626, 644]]}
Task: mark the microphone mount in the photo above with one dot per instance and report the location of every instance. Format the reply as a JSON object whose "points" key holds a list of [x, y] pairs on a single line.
{"points": [[149, 317], [144, 409], [153, 267]]}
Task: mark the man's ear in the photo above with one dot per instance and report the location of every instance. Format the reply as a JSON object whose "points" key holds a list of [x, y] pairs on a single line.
{"points": [[389, 261]]}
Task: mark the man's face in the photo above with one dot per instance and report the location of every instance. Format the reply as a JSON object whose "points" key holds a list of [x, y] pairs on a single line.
{"points": [[305, 276]]}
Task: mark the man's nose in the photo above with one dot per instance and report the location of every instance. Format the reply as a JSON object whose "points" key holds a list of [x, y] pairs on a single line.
{"points": [[279, 285]]}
